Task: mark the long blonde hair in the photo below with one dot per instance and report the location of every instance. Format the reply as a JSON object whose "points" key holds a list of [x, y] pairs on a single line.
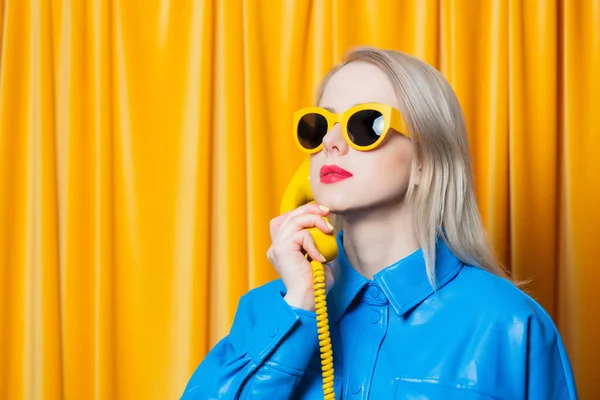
{"points": [[444, 202]]}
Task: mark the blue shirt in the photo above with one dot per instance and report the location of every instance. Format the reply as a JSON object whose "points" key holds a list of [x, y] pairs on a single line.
{"points": [[476, 337]]}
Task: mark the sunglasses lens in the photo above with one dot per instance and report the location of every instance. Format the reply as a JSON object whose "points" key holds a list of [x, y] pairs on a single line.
{"points": [[366, 127], [312, 128]]}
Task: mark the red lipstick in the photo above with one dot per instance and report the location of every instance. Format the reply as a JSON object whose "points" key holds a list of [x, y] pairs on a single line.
{"points": [[333, 173]]}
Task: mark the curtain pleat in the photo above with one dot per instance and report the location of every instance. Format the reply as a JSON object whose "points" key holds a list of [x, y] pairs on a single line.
{"points": [[579, 196]]}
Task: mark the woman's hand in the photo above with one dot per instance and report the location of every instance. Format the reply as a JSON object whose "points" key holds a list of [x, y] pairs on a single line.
{"points": [[290, 242]]}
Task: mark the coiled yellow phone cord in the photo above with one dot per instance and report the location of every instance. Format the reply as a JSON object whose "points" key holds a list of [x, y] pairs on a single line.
{"points": [[323, 329]]}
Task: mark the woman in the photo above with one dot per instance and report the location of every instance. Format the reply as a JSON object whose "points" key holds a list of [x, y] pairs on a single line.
{"points": [[418, 305]]}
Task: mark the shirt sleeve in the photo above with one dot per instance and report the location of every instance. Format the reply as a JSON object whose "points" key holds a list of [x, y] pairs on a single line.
{"points": [[549, 374], [263, 357]]}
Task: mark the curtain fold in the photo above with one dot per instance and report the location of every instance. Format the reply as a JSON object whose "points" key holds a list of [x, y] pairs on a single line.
{"points": [[144, 148], [579, 219]]}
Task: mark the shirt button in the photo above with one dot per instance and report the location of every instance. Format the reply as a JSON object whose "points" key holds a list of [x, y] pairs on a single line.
{"points": [[356, 387], [373, 292], [374, 318], [272, 332]]}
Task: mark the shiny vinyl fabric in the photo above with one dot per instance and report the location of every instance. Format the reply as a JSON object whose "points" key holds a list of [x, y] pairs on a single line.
{"points": [[140, 139], [475, 337]]}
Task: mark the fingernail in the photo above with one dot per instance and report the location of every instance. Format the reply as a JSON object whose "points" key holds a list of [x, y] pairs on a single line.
{"points": [[322, 257], [323, 208], [329, 225]]}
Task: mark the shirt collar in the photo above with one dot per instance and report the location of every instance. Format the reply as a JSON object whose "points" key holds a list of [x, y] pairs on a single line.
{"points": [[404, 283]]}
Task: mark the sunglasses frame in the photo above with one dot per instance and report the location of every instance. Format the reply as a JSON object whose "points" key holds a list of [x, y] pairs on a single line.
{"points": [[392, 117]]}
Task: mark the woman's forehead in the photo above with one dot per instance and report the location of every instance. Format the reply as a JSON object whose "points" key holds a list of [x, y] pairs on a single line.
{"points": [[356, 83]]}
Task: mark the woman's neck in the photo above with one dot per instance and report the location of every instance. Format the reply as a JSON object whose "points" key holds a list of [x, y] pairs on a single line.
{"points": [[375, 239]]}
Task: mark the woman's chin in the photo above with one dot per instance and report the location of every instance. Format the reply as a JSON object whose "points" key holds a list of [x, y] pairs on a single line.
{"points": [[337, 204]]}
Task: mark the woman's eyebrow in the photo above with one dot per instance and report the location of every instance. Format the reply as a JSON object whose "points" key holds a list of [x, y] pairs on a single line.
{"points": [[330, 109]]}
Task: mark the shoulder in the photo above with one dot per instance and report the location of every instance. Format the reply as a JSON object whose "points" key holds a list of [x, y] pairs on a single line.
{"points": [[520, 329], [493, 292], [490, 299]]}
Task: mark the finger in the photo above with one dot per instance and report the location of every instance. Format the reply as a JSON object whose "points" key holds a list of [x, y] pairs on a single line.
{"points": [[311, 207], [308, 208], [303, 222], [275, 225], [306, 242]]}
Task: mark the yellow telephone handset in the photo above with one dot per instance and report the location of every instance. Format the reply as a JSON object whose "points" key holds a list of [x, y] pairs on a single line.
{"points": [[297, 193]]}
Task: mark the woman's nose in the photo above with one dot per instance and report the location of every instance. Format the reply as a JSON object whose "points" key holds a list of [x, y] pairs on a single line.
{"points": [[334, 140]]}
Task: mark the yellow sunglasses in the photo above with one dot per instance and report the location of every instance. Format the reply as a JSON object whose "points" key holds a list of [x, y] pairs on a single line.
{"points": [[364, 126]]}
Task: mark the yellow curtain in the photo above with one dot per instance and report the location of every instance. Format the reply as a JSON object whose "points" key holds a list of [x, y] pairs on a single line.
{"points": [[144, 146]]}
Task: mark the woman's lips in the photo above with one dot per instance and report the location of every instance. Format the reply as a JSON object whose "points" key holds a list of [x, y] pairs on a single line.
{"points": [[333, 173]]}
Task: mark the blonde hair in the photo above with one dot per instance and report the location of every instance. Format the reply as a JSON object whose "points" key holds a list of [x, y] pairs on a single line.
{"points": [[444, 202]]}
